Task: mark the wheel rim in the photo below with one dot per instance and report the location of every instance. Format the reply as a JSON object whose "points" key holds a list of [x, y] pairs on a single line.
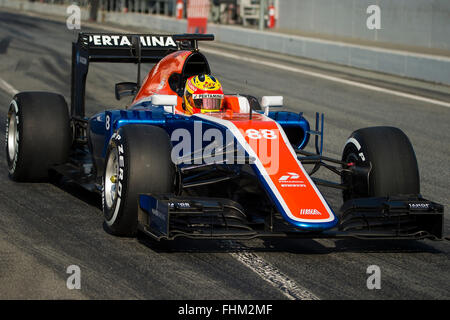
{"points": [[111, 178], [12, 135]]}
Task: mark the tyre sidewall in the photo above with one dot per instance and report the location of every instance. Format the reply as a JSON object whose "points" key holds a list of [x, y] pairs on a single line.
{"points": [[145, 166], [388, 153], [355, 153], [44, 138], [115, 217], [12, 163]]}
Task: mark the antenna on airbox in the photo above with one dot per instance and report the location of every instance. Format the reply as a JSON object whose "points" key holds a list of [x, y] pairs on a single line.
{"points": [[250, 112], [136, 43]]}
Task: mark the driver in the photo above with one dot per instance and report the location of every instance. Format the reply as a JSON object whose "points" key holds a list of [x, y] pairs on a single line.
{"points": [[203, 93]]}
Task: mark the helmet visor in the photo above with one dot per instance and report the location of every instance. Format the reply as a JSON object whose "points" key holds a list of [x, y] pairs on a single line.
{"points": [[208, 101]]}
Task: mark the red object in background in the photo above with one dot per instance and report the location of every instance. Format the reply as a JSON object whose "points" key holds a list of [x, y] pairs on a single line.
{"points": [[197, 25], [197, 15], [271, 22], [180, 9]]}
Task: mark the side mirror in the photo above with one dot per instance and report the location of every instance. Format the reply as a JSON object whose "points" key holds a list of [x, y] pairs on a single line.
{"points": [[271, 101], [168, 101], [123, 89]]}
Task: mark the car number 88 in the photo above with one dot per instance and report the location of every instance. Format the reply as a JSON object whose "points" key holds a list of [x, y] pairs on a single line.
{"points": [[262, 133]]}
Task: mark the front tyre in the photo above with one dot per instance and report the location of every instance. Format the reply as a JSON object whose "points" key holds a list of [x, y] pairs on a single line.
{"points": [[389, 157], [138, 160]]}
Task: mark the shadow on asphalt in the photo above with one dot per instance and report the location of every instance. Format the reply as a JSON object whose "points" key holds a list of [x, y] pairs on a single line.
{"points": [[91, 198]]}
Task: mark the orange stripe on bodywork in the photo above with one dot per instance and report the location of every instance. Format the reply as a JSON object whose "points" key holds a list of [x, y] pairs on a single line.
{"points": [[279, 167]]}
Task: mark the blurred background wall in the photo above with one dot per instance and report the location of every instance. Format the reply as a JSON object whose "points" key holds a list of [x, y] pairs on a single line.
{"points": [[414, 23], [423, 23]]}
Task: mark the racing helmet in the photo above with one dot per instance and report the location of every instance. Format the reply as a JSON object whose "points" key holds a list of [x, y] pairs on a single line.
{"points": [[203, 93]]}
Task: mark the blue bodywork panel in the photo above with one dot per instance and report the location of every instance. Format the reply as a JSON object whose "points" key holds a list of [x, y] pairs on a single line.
{"points": [[103, 125]]}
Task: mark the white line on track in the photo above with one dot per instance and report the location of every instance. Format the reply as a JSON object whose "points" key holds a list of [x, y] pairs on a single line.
{"points": [[274, 276], [7, 87], [271, 274], [329, 78]]}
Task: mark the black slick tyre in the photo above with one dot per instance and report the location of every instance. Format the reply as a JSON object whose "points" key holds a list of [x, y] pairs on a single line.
{"points": [[38, 135], [389, 155], [138, 160]]}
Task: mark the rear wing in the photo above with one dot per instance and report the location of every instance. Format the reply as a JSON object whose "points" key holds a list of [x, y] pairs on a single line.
{"points": [[121, 48]]}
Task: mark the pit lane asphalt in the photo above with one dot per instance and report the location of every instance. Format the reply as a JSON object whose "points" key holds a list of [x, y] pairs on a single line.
{"points": [[44, 228]]}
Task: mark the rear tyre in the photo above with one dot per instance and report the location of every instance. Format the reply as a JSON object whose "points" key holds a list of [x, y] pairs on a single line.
{"points": [[390, 156], [37, 135], [138, 160]]}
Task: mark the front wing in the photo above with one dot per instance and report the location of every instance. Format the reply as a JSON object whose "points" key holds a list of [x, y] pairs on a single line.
{"points": [[168, 217]]}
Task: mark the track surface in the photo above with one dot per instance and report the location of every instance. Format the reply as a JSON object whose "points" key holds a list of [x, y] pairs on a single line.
{"points": [[44, 228]]}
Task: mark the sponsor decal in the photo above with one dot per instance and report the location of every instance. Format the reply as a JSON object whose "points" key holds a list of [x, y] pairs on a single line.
{"points": [[123, 40], [289, 176], [179, 205], [290, 180], [419, 206], [82, 60], [313, 212], [208, 95]]}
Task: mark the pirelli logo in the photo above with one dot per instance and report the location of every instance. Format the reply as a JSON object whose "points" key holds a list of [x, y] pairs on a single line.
{"points": [[104, 40]]}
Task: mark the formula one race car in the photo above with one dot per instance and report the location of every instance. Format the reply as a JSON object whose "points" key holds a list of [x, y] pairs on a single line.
{"points": [[238, 173]]}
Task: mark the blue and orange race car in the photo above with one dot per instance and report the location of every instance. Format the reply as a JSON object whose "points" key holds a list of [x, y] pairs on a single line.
{"points": [[238, 173]]}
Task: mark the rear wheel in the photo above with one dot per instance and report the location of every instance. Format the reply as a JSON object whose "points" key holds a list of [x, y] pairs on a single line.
{"points": [[390, 158], [37, 135], [138, 160]]}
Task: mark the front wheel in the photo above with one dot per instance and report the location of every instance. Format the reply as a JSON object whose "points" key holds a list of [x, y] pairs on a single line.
{"points": [[138, 160], [389, 158]]}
